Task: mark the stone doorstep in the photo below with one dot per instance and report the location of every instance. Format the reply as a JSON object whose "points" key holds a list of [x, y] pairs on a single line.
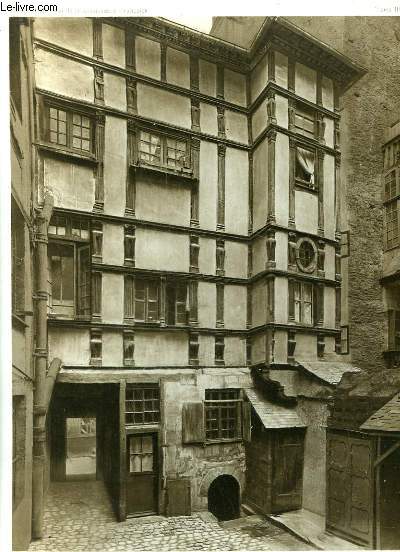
{"points": [[310, 528]]}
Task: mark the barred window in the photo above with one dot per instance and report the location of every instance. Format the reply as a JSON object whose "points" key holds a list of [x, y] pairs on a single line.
{"points": [[142, 405], [222, 414]]}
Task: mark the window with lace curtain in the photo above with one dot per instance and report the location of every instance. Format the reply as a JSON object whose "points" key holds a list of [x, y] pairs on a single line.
{"points": [[305, 168], [163, 151]]}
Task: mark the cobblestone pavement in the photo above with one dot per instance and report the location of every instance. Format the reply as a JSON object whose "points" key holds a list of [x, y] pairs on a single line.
{"points": [[78, 516]]}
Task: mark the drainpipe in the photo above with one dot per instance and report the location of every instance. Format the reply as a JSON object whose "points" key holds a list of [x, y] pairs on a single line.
{"points": [[43, 383]]}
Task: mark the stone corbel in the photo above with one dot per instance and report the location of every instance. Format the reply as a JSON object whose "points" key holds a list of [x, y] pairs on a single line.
{"points": [[98, 86], [270, 247], [320, 126], [131, 95]]}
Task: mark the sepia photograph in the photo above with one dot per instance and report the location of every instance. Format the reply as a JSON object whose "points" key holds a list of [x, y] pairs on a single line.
{"points": [[205, 282]]}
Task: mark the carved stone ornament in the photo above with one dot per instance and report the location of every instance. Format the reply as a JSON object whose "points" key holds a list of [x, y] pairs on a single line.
{"points": [[306, 255]]}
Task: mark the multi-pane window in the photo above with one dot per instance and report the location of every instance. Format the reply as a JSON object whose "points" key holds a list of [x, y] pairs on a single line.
{"points": [[390, 185], [222, 414], [61, 226], [142, 405], [392, 224], [301, 302], [73, 130], [129, 245], [142, 299], [141, 453], [305, 122], [177, 303], [129, 348], [163, 151], [18, 259], [219, 349]]}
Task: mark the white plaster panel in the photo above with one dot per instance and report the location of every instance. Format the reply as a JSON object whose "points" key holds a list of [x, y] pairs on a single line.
{"points": [[306, 211], [112, 349], [50, 72], [329, 196], [259, 119], [282, 178], [72, 185], [71, 345], [280, 347], [258, 353], [113, 45], [207, 256], [329, 261], [258, 78], [112, 301], [236, 254], [329, 132], [236, 126], [161, 349], [329, 306], [161, 201], [235, 87], [235, 300], [236, 191], [235, 351], [208, 185], [72, 33], [178, 68], [259, 255], [306, 347], [160, 250], [163, 105], [206, 350], [281, 250], [115, 166], [282, 114], [207, 297], [113, 244], [207, 78], [281, 300], [281, 69], [115, 91], [327, 93], [260, 185], [208, 118], [148, 57], [306, 82]]}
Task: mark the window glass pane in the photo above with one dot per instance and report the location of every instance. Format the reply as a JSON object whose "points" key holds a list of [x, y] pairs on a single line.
{"points": [[135, 444], [135, 464], [68, 278], [139, 310], [147, 462], [307, 313], [56, 277], [147, 444]]}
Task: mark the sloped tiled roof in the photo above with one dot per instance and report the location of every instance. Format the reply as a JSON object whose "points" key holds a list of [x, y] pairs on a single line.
{"points": [[386, 418], [273, 416], [330, 372]]}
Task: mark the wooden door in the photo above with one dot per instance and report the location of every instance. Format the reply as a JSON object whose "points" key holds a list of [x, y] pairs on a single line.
{"points": [[142, 474], [349, 488], [389, 499], [287, 473]]}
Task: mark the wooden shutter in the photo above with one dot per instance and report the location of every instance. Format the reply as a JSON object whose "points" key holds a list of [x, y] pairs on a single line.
{"points": [[287, 479], [246, 422], [178, 497], [193, 430], [129, 297]]}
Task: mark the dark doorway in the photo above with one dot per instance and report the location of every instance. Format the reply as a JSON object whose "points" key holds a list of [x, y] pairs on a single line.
{"points": [[389, 502], [224, 498], [141, 496]]}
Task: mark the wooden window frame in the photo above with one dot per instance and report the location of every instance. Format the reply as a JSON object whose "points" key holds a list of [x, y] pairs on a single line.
{"points": [[311, 186], [162, 164], [301, 302], [131, 303], [137, 393], [300, 112], [219, 405], [393, 330], [175, 318], [392, 224], [69, 132]]}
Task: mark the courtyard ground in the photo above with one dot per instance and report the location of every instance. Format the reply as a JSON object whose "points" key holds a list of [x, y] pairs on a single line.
{"points": [[78, 516]]}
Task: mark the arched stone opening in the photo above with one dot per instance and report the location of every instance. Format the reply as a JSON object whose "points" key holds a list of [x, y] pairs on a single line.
{"points": [[224, 498]]}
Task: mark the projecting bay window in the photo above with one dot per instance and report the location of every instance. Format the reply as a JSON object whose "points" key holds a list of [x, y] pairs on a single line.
{"points": [[70, 278], [305, 168], [306, 303], [159, 150], [177, 303], [69, 129], [142, 300]]}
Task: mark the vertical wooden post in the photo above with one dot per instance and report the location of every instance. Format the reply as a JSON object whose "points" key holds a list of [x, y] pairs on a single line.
{"points": [[122, 453], [271, 177], [320, 184], [377, 528], [292, 183], [221, 187]]}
